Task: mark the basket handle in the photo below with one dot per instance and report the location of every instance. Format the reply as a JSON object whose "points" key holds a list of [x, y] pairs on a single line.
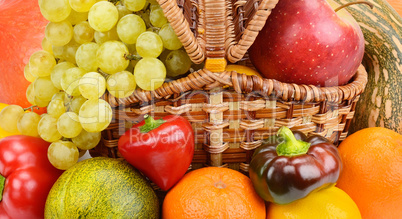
{"points": [[182, 28], [236, 51]]}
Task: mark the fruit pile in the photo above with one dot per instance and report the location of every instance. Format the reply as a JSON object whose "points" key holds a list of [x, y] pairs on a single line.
{"points": [[97, 46], [90, 47]]}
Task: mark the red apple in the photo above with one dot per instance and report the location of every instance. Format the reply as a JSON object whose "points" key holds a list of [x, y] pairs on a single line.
{"points": [[307, 42], [22, 29]]}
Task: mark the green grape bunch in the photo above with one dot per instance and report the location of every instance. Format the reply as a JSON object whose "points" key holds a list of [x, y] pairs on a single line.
{"points": [[92, 47]]}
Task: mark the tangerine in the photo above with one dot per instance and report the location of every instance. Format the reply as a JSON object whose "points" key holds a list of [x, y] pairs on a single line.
{"points": [[372, 174], [213, 192], [242, 69]]}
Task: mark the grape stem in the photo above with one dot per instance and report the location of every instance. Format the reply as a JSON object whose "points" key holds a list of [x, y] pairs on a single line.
{"points": [[114, 1], [132, 57], [31, 108], [155, 28]]}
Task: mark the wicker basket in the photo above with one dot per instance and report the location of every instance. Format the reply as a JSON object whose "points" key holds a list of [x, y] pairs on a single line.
{"points": [[231, 113]]}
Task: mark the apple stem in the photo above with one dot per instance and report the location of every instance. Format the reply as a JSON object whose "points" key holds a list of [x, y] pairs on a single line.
{"points": [[355, 3]]}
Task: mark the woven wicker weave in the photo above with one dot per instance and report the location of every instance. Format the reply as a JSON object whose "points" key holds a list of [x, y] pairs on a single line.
{"points": [[231, 113]]}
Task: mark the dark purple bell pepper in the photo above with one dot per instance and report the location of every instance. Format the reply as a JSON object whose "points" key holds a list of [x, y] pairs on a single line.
{"points": [[289, 166]]}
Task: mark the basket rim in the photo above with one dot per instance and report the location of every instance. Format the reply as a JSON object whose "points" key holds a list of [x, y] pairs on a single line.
{"points": [[245, 84]]}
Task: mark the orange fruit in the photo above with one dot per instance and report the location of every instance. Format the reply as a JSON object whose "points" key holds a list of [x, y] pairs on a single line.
{"points": [[213, 192], [372, 174], [325, 203], [242, 70]]}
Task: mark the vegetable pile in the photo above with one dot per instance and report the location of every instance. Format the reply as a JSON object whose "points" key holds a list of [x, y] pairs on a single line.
{"points": [[94, 47]]}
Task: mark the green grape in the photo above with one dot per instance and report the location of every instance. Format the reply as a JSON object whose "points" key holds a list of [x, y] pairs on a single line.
{"points": [[153, 2], [121, 84], [47, 46], [101, 37], [149, 73], [27, 74], [40, 102], [59, 33], [70, 80], [169, 37], [92, 85], [47, 128], [41, 63], [56, 108], [44, 88], [130, 27], [9, 117], [82, 5], [95, 115], [196, 67], [76, 103], [134, 5], [163, 55], [149, 44], [123, 11], [154, 6], [145, 6], [58, 52], [131, 49], [134, 63], [28, 124], [69, 125], [103, 16], [61, 96], [111, 57], [86, 56], [70, 50], [30, 94], [83, 32], [54, 10], [177, 63], [62, 154], [58, 72], [87, 140], [154, 29], [145, 17], [76, 17], [130, 68], [135, 57], [157, 17]]}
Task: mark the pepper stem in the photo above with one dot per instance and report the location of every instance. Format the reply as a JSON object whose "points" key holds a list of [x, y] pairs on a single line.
{"points": [[2, 181], [290, 146], [150, 124]]}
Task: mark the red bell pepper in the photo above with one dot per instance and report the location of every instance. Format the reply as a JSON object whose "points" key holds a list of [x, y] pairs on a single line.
{"points": [[26, 177], [161, 149]]}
